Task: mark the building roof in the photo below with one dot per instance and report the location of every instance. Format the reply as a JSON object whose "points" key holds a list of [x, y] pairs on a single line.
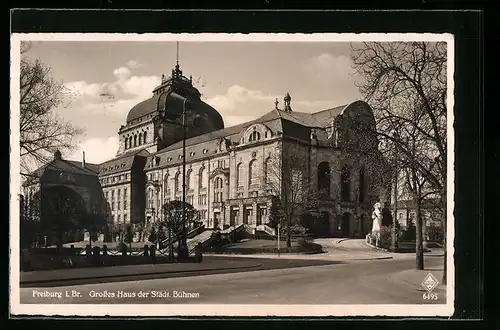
{"points": [[121, 163], [63, 165], [278, 121]]}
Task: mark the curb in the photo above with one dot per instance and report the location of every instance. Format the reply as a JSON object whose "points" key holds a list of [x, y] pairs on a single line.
{"points": [[137, 274]]}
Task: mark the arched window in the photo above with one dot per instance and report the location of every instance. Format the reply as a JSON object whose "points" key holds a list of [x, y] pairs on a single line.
{"points": [[255, 136], [144, 138], [189, 176], [239, 175], [268, 170], [252, 172], [218, 189], [176, 182], [345, 184], [362, 185], [135, 140], [165, 185], [140, 138], [150, 197], [202, 177], [324, 179], [126, 143], [130, 142]]}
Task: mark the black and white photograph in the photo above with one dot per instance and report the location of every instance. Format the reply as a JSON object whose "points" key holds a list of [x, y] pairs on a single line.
{"points": [[232, 174]]}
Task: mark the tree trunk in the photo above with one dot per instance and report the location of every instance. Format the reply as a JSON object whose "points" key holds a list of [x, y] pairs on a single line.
{"points": [[444, 221], [419, 249], [90, 239], [288, 232]]}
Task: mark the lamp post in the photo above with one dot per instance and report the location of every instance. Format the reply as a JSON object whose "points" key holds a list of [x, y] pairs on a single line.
{"points": [[183, 250]]}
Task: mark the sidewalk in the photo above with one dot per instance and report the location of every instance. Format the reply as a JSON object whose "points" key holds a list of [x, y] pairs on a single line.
{"points": [[415, 278], [47, 276]]}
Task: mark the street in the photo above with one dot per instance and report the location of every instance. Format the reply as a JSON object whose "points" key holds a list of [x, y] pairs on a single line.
{"points": [[374, 281]]}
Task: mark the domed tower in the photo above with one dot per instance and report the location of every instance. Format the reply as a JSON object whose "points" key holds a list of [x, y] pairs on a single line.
{"points": [[156, 123]]}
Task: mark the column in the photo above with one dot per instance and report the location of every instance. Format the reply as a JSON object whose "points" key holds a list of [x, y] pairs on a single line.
{"points": [[254, 214]]}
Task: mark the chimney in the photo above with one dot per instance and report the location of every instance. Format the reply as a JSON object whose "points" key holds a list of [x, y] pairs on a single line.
{"points": [[83, 159]]}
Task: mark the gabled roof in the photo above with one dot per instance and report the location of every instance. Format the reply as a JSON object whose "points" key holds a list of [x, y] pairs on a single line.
{"points": [[287, 123], [93, 167], [121, 163]]}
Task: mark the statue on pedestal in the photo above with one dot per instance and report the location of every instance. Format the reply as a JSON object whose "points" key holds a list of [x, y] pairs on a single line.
{"points": [[377, 218]]}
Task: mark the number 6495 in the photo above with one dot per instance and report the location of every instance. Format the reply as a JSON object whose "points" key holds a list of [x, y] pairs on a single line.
{"points": [[430, 296]]}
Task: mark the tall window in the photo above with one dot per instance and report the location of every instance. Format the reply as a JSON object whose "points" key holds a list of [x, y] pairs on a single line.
{"points": [[202, 177], [362, 185], [189, 184], [239, 175], [135, 140], [165, 184], [255, 136], [145, 140], [125, 204], [140, 138], [130, 142], [126, 143], [268, 170], [324, 179], [345, 184], [252, 172], [218, 189], [176, 182], [150, 198]]}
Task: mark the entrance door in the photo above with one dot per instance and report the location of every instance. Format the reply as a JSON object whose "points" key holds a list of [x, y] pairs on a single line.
{"points": [[346, 222], [246, 215], [216, 219]]}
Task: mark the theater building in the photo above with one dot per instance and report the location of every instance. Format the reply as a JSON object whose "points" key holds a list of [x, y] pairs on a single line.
{"points": [[227, 168]]}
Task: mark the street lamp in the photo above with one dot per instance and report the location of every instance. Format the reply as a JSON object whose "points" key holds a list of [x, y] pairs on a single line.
{"points": [[183, 249]]}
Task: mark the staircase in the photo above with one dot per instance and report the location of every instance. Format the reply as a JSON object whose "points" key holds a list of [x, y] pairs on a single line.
{"points": [[198, 239]]}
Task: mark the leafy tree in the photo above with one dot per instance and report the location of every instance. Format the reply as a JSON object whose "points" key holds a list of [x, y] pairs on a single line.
{"points": [[152, 236], [42, 132], [62, 210], [176, 216], [129, 235]]}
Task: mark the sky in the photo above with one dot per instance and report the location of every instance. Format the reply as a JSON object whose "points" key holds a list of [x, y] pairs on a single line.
{"points": [[239, 79]]}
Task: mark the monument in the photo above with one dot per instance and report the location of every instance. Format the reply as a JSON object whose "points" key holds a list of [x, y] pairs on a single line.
{"points": [[377, 218]]}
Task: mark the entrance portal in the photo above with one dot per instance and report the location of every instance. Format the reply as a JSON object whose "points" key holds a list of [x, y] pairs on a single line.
{"points": [[346, 222]]}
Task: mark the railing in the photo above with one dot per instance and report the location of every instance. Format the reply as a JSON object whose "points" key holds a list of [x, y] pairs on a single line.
{"points": [[249, 229], [268, 230], [166, 243], [232, 228]]}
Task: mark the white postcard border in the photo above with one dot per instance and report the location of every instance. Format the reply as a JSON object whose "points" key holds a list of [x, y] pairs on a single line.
{"points": [[128, 310]]}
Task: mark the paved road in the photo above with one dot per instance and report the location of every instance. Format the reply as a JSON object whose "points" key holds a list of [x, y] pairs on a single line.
{"points": [[359, 282]]}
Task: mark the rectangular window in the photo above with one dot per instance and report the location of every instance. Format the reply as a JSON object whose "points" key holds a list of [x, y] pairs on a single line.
{"points": [[124, 192], [112, 194], [118, 192], [124, 218], [119, 208], [125, 204], [112, 206], [118, 218]]}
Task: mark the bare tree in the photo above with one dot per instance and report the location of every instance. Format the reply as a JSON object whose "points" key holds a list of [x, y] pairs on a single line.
{"points": [[287, 176], [405, 83], [42, 132]]}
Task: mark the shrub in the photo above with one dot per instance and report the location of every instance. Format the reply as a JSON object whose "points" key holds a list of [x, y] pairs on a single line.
{"points": [[385, 237], [410, 234], [122, 247], [435, 234]]}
